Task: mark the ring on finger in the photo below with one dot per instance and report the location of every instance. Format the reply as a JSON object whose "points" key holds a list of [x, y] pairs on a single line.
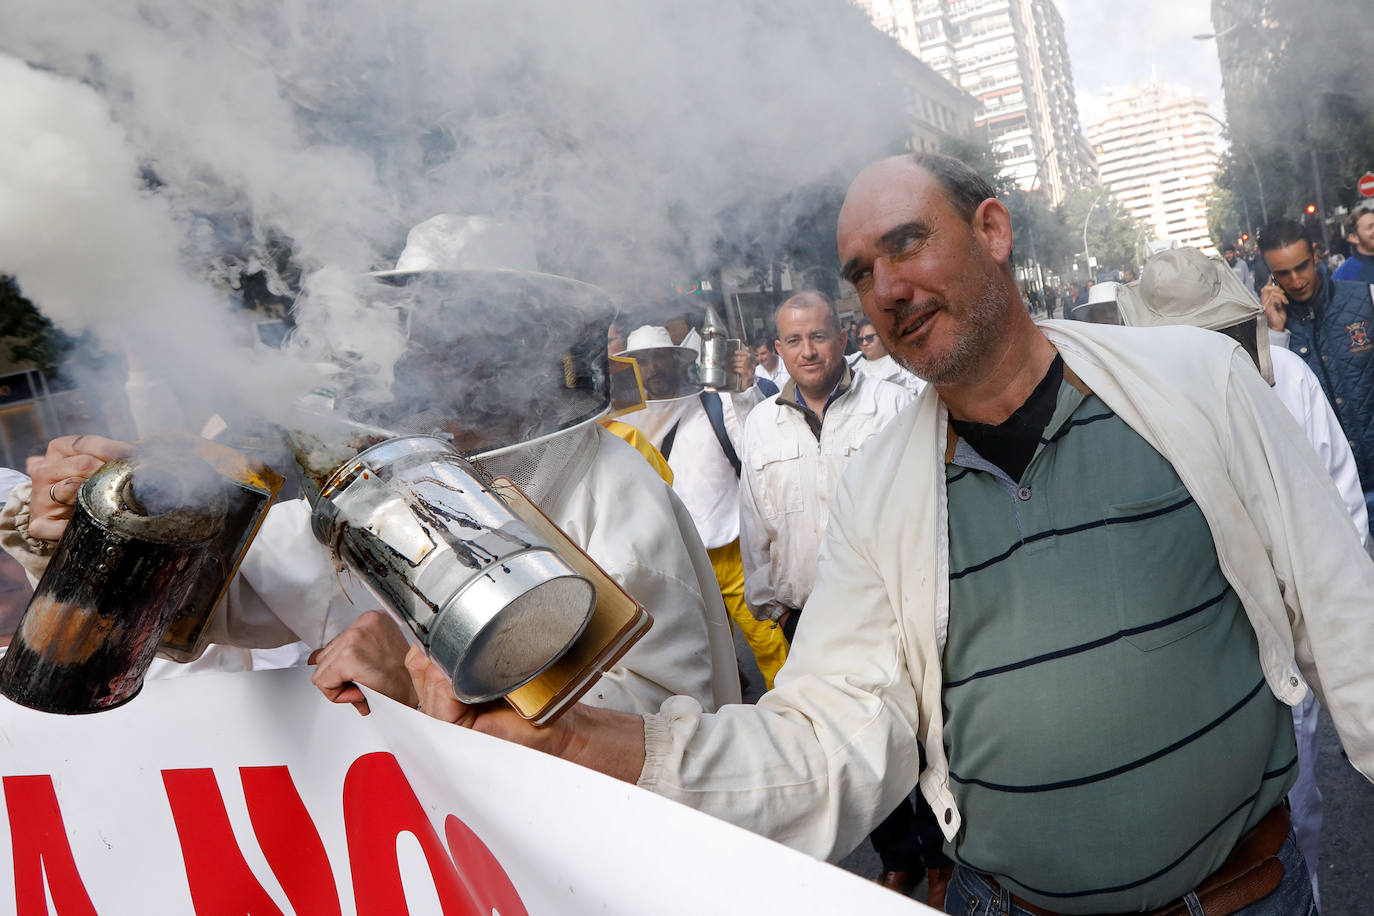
{"points": [[52, 494]]}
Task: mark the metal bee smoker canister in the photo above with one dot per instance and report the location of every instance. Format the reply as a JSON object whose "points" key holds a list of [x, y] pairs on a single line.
{"points": [[136, 543], [492, 604], [716, 366]]}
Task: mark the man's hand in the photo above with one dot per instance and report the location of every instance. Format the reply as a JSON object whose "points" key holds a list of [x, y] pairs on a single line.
{"points": [[600, 739], [1275, 304], [371, 652], [743, 366], [59, 474]]}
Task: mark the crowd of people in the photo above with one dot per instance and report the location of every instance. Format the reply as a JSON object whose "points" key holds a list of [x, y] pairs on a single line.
{"points": [[1046, 609]]}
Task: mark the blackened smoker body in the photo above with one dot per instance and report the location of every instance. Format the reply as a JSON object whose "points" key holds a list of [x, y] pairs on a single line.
{"points": [[137, 543]]}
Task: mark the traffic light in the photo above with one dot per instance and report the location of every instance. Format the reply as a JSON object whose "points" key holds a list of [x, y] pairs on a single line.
{"points": [[1244, 237], [1311, 209]]}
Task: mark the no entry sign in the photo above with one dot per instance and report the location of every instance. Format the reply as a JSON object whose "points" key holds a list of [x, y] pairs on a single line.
{"points": [[1366, 184]]}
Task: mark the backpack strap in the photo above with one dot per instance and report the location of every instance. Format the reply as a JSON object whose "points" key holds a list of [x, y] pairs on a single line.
{"points": [[716, 414]]}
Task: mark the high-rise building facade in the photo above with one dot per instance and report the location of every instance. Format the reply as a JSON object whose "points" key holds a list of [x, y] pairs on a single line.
{"points": [[1158, 149], [1010, 55]]}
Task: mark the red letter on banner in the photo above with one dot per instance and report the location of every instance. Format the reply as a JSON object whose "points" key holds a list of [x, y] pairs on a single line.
{"points": [[379, 804], [38, 839], [289, 840], [220, 880]]}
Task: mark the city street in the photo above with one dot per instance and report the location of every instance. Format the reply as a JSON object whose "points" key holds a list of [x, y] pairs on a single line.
{"points": [[1347, 859]]}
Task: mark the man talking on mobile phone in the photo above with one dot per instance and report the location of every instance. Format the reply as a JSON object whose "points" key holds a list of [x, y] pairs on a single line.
{"points": [[1330, 324]]}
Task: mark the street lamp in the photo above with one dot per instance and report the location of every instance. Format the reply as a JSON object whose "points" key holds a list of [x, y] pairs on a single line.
{"points": [[1207, 36], [1087, 259], [1264, 210]]}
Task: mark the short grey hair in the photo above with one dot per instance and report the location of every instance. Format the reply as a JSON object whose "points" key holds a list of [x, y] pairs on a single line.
{"points": [[809, 298], [964, 187]]}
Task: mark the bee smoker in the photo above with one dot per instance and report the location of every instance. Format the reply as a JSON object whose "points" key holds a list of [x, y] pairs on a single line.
{"points": [[491, 603], [137, 542], [717, 355]]}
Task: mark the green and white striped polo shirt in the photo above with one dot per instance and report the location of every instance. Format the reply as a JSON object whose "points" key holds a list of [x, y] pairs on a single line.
{"points": [[1107, 724]]}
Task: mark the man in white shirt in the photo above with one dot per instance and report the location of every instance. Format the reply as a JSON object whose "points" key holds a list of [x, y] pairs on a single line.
{"points": [[796, 445], [769, 365]]}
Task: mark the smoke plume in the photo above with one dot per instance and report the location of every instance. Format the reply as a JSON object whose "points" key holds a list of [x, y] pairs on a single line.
{"points": [[145, 140]]}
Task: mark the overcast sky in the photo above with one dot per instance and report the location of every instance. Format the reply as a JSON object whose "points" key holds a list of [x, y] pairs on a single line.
{"points": [[1117, 42]]}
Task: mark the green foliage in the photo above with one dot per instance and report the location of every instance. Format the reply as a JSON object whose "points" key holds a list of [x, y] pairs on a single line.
{"points": [[1040, 233], [976, 152], [31, 337], [1225, 220], [1299, 84], [1114, 237]]}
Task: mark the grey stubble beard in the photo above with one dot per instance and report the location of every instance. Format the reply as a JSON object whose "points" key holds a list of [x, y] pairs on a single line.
{"points": [[979, 330]]}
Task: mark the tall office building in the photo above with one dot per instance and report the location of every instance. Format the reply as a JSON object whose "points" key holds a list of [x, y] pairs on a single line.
{"points": [[1012, 57], [1158, 149]]}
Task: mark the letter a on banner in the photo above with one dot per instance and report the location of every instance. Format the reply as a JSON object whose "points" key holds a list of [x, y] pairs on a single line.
{"points": [[39, 841], [379, 805]]}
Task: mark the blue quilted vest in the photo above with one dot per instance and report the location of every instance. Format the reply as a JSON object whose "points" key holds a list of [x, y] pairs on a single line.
{"points": [[1334, 334]]}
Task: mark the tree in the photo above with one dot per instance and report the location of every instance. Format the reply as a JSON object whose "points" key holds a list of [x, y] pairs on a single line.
{"points": [[31, 338], [1042, 236], [1297, 80], [977, 153], [1113, 235], [1225, 219]]}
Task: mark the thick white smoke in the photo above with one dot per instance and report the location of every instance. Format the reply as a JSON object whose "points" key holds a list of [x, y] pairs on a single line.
{"points": [[100, 253], [614, 132]]}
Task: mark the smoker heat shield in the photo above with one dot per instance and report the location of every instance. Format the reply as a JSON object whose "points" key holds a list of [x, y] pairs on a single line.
{"points": [[491, 603]]}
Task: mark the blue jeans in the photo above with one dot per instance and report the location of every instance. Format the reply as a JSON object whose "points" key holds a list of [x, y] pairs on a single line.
{"points": [[970, 894]]}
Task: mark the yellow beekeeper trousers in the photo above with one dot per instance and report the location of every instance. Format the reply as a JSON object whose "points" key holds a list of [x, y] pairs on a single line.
{"points": [[765, 639]]}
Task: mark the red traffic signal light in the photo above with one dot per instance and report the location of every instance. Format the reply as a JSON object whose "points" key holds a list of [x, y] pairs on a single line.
{"points": [[1311, 209], [1245, 236]]}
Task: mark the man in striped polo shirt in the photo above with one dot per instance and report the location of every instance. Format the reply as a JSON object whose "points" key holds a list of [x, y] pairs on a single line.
{"points": [[1088, 578]]}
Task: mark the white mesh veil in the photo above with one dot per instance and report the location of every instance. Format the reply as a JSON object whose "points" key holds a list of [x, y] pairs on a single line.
{"points": [[542, 469]]}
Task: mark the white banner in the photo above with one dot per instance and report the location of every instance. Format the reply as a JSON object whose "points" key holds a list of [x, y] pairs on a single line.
{"points": [[225, 795]]}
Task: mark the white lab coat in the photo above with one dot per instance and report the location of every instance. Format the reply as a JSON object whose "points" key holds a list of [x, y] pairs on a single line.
{"points": [[831, 750], [787, 484]]}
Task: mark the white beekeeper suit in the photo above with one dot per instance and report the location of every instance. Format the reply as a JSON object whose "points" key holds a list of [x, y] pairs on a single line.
{"points": [[703, 477]]}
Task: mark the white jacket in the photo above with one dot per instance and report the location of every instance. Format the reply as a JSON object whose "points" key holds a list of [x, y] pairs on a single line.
{"points": [[833, 748], [1301, 392], [788, 481], [886, 368]]}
